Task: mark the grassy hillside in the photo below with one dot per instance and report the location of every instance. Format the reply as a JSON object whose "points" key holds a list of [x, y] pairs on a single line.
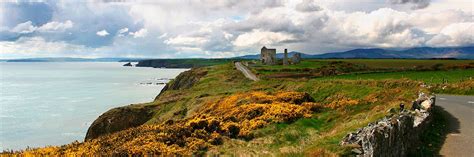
{"points": [[222, 112]]}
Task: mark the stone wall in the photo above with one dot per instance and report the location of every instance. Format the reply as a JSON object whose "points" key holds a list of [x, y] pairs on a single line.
{"points": [[394, 135]]}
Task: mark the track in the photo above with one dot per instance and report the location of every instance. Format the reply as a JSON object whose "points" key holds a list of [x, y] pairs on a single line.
{"points": [[246, 71]]}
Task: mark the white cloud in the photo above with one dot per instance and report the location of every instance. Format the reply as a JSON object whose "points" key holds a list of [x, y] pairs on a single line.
{"points": [[417, 4], [38, 46], [24, 28], [140, 33], [56, 26], [456, 34], [307, 6], [259, 37], [184, 41], [164, 35], [122, 31], [102, 33], [219, 28]]}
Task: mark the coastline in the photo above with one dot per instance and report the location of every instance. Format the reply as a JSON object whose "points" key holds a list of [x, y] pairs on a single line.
{"points": [[128, 116], [54, 103]]}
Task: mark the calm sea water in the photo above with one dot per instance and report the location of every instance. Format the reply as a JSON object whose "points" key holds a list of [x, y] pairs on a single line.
{"points": [[54, 103]]}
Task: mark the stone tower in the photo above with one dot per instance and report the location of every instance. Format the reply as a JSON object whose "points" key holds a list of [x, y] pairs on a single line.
{"points": [[268, 56], [285, 57]]}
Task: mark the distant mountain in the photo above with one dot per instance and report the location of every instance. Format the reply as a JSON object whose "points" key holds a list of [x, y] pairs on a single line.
{"points": [[67, 59], [413, 53]]}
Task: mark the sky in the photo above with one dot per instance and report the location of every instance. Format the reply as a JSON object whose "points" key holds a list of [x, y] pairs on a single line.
{"points": [[227, 28]]}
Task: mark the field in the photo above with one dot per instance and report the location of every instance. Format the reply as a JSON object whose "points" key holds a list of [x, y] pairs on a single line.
{"points": [[429, 71], [402, 63], [429, 77]]}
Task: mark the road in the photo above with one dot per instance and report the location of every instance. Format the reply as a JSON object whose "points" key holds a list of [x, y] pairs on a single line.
{"points": [[460, 141], [245, 71]]}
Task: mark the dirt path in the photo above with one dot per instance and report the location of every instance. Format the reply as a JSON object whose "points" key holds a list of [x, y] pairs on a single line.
{"points": [[246, 71], [460, 142]]}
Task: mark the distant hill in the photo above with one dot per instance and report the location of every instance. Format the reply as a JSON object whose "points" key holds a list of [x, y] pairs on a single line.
{"points": [[67, 59], [413, 53]]}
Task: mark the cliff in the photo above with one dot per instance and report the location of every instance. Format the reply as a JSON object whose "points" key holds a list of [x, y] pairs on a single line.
{"points": [[125, 117], [118, 119], [184, 80]]}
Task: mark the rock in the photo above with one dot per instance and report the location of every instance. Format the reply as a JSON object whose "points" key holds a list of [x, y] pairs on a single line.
{"points": [[128, 64], [396, 135], [118, 119], [184, 80], [426, 105]]}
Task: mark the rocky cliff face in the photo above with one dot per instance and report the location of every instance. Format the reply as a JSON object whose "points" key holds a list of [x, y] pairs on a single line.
{"points": [[122, 118], [184, 80], [118, 119], [392, 136]]}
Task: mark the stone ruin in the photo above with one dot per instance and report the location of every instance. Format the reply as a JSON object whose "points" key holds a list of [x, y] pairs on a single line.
{"points": [[296, 58], [268, 56], [285, 57]]}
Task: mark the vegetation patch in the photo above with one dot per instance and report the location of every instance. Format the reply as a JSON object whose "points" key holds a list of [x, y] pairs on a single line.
{"points": [[232, 117]]}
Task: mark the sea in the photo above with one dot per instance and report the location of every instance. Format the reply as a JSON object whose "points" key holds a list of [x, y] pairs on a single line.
{"points": [[54, 103]]}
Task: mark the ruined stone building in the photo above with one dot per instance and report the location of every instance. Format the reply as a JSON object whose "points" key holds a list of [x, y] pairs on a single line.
{"points": [[268, 56], [285, 57], [296, 58]]}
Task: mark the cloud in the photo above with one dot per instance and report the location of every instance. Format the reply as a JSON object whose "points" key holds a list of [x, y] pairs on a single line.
{"points": [[164, 35], [307, 6], [185, 41], [417, 4], [139, 34], [208, 28], [123, 30], [456, 34], [102, 33], [38, 46], [259, 37], [24, 28], [56, 26]]}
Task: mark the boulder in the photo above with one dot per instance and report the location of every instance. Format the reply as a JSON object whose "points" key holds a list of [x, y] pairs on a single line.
{"points": [[118, 119]]}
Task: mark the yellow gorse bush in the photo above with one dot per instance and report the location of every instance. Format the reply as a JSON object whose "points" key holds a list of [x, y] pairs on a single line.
{"points": [[235, 116]]}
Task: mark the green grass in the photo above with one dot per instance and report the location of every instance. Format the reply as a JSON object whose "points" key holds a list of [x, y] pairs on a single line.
{"points": [[451, 76], [326, 128], [401, 63], [345, 66]]}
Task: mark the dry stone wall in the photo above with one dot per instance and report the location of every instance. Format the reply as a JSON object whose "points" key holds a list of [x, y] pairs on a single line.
{"points": [[393, 136]]}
